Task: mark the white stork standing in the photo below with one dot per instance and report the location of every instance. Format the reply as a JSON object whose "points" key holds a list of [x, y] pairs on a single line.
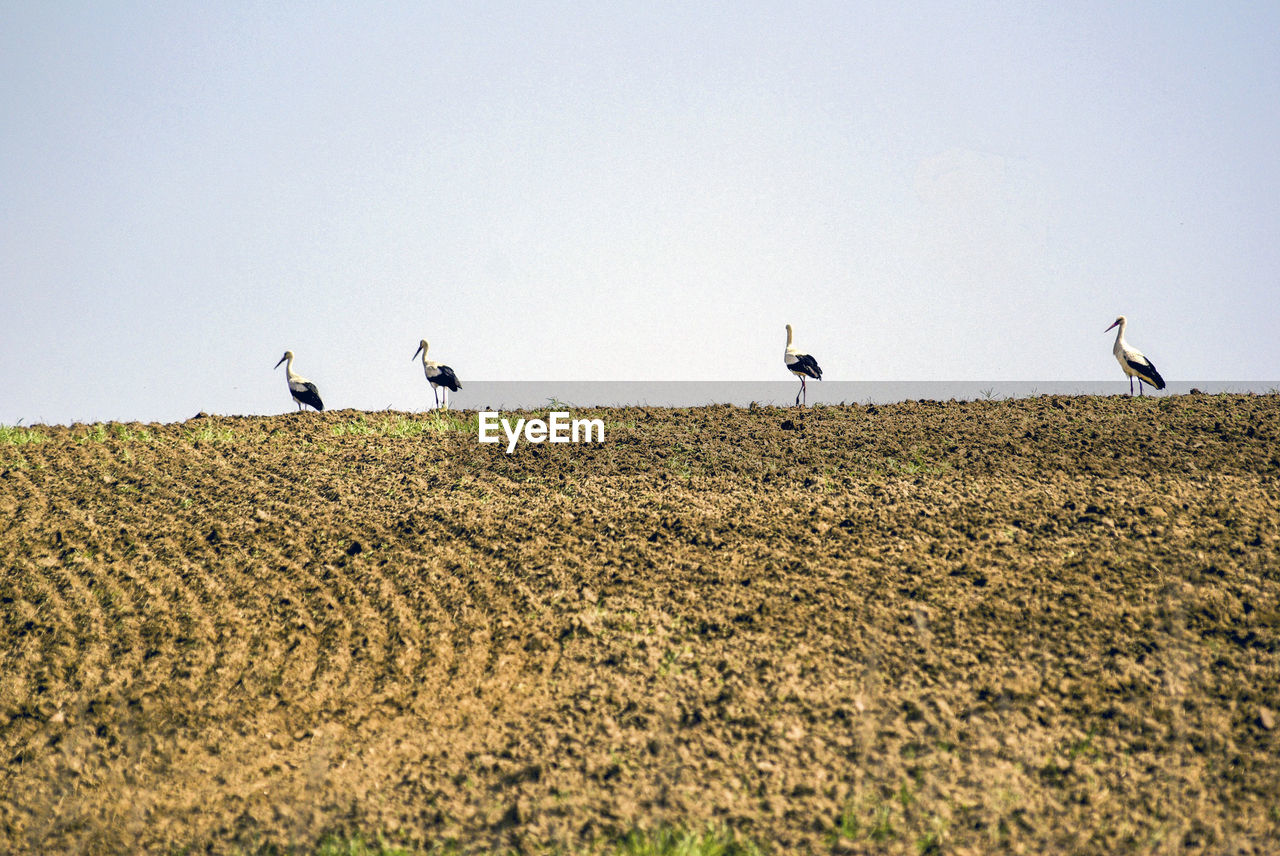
{"points": [[1132, 360], [302, 390], [800, 365], [438, 375]]}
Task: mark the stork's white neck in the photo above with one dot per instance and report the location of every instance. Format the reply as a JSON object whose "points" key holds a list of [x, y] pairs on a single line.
{"points": [[1120, 343]]}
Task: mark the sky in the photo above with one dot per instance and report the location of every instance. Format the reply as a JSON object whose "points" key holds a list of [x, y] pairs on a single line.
{"points": [[625, 191]]}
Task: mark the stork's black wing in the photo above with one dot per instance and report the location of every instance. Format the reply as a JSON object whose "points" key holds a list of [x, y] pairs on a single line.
{"points": [[806, 365], [308, 395], [445, 377], [1146, 371]]}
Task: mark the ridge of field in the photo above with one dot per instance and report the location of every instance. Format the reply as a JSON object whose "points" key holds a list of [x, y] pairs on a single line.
{"points": [[1050, 624]]}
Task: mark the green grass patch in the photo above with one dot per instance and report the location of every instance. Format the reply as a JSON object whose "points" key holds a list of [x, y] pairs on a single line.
{"points": [[447, 420], [435, 422], [402, 427], [13, 435], [101, 432], [877, 820], [358, 845], [210, 434], [129, 435], [357, 427], [93, 434]]}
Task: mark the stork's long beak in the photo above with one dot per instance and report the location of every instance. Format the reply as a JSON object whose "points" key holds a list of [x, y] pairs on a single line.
{"points": [[277, 365], [1113, 324], [415, 354]]}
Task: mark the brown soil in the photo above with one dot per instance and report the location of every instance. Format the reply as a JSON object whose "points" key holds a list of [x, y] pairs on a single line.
{"points": [[1047, 624]]}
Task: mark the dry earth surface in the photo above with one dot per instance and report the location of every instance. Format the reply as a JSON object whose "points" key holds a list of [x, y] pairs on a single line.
{"points": [[1050, 624]]}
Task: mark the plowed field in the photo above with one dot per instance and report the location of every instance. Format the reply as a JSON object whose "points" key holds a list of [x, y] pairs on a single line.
{"points": [[1050, 624]]}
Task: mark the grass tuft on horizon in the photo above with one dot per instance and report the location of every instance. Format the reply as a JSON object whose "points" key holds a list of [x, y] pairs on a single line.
{"points": [[402, 427], [15, 435]]}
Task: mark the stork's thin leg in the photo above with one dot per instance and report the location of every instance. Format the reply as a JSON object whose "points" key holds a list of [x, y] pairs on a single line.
{"points": [[798, 393], [1131, 386]]}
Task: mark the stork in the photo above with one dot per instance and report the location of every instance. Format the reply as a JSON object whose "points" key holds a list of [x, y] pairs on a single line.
{"points": [[1132, 360], [438, 375], [800, 365], [302, 390]]}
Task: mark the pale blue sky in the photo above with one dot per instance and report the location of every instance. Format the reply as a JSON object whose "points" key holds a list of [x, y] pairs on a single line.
{"points": [[622, 191]]}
